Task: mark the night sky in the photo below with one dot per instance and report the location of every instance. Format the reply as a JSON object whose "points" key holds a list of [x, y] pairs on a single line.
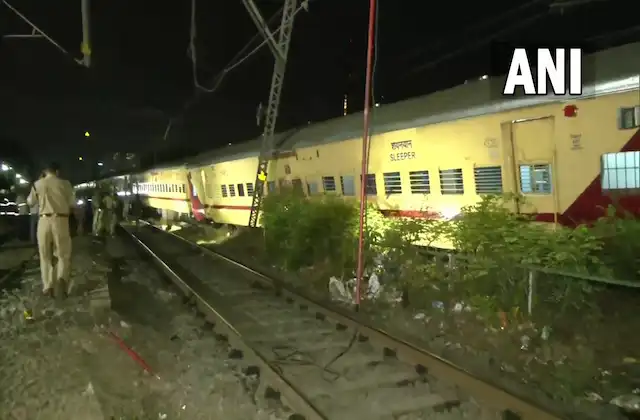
{"points": [[141, 73]]}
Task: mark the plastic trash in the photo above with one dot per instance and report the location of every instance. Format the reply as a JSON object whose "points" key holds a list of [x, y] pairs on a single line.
{"points": [[546, 332], [436, 304], [338, 291], [374, 288], [524, 342], [628, 402]]}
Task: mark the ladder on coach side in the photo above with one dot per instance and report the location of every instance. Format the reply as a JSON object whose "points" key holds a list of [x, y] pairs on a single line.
{"points": [[280, 50]]}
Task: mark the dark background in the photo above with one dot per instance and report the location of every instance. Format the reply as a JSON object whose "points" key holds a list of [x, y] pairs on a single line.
{"points": [[141, 73]]}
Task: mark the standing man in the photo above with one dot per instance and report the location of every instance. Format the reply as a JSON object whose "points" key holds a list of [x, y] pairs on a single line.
{"points": [[55, 198], [96, 205]]}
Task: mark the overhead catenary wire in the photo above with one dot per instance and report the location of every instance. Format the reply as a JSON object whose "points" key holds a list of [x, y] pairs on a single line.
{"points": [[466, 33], [475, 44], [241, 57], [41, 32], [233, 64]]}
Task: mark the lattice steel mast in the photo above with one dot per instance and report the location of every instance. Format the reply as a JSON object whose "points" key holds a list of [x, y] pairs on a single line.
{"points": [[280, 49]]}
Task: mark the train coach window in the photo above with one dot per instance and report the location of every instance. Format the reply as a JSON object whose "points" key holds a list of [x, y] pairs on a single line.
{"points": [[488, 179], [312, 188], [535, 179], [451, 181], [348, 185], [392, 183], [240, 190], [250, 189], [621, 171], [232, 190], [271, 186], [329, 183], [629, 118], [223, 189], [420, 183], [371, 188]]}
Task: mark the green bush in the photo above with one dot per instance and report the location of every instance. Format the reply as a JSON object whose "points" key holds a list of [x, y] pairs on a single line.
{"points": [[300, 232], [619, 232], [494, 248]]}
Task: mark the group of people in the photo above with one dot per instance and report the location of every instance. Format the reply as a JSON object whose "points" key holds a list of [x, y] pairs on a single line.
{"points": [[51, 204]]}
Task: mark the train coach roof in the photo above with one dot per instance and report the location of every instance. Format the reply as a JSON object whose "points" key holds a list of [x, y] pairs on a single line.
{"points": [[469, 100], [620, 64], [282, 142]]}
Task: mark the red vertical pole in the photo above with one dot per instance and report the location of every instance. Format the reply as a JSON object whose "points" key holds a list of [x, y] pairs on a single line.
{"points": [[365, 149]]}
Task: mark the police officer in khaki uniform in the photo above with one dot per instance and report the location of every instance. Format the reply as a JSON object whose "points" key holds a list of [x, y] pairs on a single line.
{"points": [[56, 200]]}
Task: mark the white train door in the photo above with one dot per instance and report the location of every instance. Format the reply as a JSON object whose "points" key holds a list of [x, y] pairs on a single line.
{"points": [[534, 166]]}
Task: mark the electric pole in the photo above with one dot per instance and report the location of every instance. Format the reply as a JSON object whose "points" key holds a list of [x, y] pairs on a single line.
{"points": [[280, 49]]}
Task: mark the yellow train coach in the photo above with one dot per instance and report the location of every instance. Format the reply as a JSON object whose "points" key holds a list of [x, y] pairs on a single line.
{"points": [[432, 155]]}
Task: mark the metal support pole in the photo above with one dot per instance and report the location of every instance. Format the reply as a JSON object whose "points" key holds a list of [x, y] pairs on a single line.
{"points": [[280, 51], [85, 48], [255, 15], [365, 150]]}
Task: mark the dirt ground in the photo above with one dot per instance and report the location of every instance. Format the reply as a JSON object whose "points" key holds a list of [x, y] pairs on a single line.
{"points": [[584, 363], [59, 361]]}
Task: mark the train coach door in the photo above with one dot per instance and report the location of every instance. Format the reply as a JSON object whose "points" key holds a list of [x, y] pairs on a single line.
{"points": [[534, 165]]}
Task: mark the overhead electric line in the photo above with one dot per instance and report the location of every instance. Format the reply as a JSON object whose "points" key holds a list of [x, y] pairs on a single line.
{"points": [[216, 81], [480, 27], [36, 29]]}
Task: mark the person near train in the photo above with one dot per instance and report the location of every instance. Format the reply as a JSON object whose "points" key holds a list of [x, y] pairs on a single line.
{"points": [[80, 220], [110, 220], [97, 207], [56, 201]]}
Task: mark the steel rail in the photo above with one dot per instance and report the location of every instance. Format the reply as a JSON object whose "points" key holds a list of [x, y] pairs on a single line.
{"points": [[293, 397], [491, 396]]}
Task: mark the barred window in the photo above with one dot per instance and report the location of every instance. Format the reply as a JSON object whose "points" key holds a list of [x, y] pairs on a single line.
{"points": [[370, 184], [223, 188], [535, 179], [451, 181], [329, 183], [488, 179], [392, 183], [250, 189], [347, 184], [629, 118], [419, 181], [232, 190], [240, 190], [312, 187], [621, 171]]}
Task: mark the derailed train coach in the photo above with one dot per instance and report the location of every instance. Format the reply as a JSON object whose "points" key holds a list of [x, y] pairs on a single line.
{"points": [[430, 156]]}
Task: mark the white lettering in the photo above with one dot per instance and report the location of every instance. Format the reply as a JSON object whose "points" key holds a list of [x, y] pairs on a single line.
{"points": [[519, 74], [548, 69], [553, 69], [575, 71]]}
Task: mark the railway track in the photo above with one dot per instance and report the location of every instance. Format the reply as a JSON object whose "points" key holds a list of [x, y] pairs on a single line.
{"points": [[321, 362]]}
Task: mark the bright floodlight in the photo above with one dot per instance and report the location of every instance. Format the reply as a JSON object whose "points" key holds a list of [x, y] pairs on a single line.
{"points": [[22, 181], [87, 134], [18, 176], [4, 167], [100, 164], [80, 158]]}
